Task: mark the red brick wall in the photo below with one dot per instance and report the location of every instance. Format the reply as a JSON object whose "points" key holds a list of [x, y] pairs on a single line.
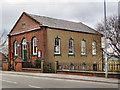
{"points": [[24, 19], [4, 66], [39, 34], [18, 67]]}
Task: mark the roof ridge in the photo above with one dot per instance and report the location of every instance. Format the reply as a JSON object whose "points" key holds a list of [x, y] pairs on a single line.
{"points": [[54, 18], [62, 23]]}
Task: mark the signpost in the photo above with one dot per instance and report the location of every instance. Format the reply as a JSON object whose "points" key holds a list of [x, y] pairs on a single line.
{"points": [[106, 69], [103, 42], [39, 53], [11, 55]]}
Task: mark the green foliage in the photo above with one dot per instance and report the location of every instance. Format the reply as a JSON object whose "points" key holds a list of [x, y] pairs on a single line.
{"points": [[37, 63]]}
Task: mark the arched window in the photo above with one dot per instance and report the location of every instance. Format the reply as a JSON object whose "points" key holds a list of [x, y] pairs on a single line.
{"points": [[71, 46], [57, 46], [15, 48], [34, 46], [83, 47], [24, 49], [94, 48]]}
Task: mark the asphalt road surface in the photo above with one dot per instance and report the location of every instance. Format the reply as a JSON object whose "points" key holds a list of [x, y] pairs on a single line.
{"points": [[21, 81]]}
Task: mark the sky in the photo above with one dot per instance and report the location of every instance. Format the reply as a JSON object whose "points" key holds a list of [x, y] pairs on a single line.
{"points": [[89, 12]]}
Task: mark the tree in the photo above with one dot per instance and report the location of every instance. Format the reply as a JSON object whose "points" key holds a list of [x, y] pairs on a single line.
{"points": [[112, 29], [3, 43]]}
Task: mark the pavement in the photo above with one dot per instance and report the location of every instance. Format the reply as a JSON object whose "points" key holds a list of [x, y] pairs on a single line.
{"points": [[65, 76]]}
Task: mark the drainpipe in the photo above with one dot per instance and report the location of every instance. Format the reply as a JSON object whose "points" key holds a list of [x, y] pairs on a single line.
{"points": [[9, 37]]}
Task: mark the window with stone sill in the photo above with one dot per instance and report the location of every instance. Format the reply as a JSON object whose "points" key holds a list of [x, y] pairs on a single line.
{"points": [[94, 48], [15, 48], [57, 46], [83, 47], [71, 46], [34, 46]]}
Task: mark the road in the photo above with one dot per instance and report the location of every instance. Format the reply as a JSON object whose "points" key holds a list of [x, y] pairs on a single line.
{"points": [[22, 81]]}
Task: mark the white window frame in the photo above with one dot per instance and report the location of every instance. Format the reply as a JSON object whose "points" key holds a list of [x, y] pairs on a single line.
{"points": [[94, 49], [34, 45], [57, 46], [71, 48], [24, 43], [83, 47], [15, 48]]}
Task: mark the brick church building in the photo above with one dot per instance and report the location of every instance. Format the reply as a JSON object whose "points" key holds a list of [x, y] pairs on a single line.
{"points": [[59, 40]]}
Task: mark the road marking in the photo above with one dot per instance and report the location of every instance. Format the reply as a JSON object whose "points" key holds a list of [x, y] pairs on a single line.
{"points": [[11, 75], [34, 86], [37, 77], [38, 87], [9, 81]]}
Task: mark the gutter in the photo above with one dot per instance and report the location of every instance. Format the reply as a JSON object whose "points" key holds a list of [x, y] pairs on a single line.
{"points": [[67, 29], [51, 28], [24, 31]]}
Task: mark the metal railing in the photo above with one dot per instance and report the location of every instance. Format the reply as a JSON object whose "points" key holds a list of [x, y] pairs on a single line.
{"points": [[35, 64], [80, 66], [112, 66]]}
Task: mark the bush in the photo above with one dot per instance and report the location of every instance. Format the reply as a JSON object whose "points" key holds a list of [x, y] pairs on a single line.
{"points": [[37, 63]]}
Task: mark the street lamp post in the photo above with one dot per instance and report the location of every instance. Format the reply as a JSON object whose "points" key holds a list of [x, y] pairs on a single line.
{"points": [[106, 69]]}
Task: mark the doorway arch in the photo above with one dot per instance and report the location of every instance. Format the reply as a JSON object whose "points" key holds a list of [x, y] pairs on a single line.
{"points": [[24, 49]]}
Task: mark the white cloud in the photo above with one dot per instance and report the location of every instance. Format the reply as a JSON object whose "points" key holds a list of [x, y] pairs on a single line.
{"points": [[88, 13]]}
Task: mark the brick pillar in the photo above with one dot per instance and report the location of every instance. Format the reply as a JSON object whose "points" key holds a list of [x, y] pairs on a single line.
{"points": [[14, 65], [7, 66], [42, 66], [56, 63]]}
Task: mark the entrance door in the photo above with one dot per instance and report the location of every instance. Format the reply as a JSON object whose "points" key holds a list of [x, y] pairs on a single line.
{"points": [[24, 50], [25, 54], [94, 67]]}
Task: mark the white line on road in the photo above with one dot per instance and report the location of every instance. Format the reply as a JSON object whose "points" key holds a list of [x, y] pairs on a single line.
{"points": [[37, 77], [38, 87], [9, 81], [34, 86]]}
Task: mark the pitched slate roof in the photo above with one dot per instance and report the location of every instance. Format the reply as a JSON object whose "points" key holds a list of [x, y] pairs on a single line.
{"points": [[62, 24]]}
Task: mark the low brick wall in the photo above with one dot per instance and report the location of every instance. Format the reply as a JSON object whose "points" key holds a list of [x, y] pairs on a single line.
{"points": [[18, 66], [35, 70], [89, 73], [4, 66], [26, 64]]}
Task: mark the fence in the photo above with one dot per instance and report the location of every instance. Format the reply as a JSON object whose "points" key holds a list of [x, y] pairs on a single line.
{"points": [[80, 66], [48, 67], [114, 66], [26, 64]]}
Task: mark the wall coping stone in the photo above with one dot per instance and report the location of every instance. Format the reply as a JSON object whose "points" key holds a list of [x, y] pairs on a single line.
{"points": [[31, 69], [76, 71]]}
